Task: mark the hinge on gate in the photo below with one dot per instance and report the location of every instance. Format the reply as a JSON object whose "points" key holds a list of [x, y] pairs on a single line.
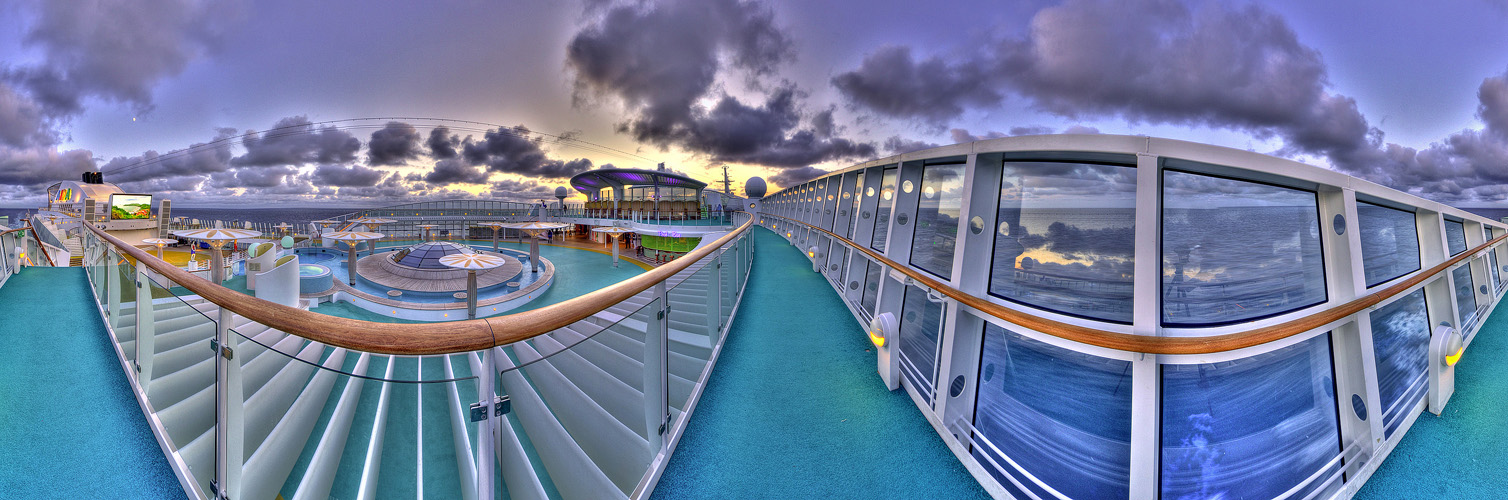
{"points": [[214, 346], [501, 405]]}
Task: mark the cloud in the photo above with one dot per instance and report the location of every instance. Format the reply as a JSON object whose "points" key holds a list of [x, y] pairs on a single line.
{"points": [[117, 50], [900, 145], [23, 123], [394, 144], [453, 170], [890, 82], [441, 144], [197, 160], [793, 176], [521, 190], [296, 141], [339, 176], [35, 167], [514, 151], [1227, 66], [252, 177], [661, 62], [391, 187]]}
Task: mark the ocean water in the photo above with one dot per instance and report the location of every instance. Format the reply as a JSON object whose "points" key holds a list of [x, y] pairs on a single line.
{"points": [[268, 215]]}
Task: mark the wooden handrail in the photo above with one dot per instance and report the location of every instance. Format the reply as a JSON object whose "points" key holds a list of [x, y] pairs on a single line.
{"points": [[40, 245], [418, 339], [1160, 345]]}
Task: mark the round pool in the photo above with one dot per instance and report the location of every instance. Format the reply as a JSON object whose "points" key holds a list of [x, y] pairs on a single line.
{"points": [[313, 278]]}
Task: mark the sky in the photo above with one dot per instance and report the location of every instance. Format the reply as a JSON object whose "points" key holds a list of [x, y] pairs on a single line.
{"points": [[279, 102]]}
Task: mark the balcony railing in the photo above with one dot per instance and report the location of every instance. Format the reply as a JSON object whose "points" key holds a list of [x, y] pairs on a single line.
{"points": [[583, 399]]}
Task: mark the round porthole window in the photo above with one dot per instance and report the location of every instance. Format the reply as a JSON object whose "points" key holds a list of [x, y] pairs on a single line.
{"points": [[901, 219], [853, 285], [976, 225], [1005, 229], [907, 187], [847, 195], [1359, 406], [832, 267], [864, 215], [843, 213], [829, 197], [888, 194], [956, 388], [1483, 289], [869, 192], [1340, 224]]}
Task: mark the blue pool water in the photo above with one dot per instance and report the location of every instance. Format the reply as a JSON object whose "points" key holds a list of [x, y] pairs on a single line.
{"points": [[336, 261]]}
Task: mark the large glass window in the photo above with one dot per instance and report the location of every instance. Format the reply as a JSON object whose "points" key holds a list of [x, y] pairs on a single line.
{"points": [[882, 210], [1455, 236], [1252, 427], [1389, 242], [1236, 250], [1492, 267], [1466, 296], [937, 213], [1066, 238], [1400, 339], [921, 324], [1064, 416]]}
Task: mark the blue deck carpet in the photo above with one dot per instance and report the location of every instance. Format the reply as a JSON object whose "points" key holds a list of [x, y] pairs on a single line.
{"points": [[795, 409], [69, 426], [1463, 453]]}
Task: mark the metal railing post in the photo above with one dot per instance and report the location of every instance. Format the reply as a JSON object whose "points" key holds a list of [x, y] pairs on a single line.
{"points": [[487, 427], [656, 371]]}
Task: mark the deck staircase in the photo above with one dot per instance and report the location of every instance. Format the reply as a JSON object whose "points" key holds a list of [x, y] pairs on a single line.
{"points": [[325, 422]]}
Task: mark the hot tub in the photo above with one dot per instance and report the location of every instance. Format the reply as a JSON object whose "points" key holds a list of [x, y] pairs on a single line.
{"points": [[313, 278]]}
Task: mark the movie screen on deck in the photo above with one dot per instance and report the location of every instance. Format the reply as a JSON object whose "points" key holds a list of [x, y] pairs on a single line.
{"points": [[130, 206]]}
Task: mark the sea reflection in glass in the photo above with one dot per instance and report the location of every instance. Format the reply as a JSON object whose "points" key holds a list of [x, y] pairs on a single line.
{"points": [[872, 278], [1236, 250], [1252, 427], [1064, 416], [1066, 238], [1492, 266], [882, 211], [1455, 236], [937, 213], [1466, 296], [921, 322], [1389, 242], [1400, 339]]}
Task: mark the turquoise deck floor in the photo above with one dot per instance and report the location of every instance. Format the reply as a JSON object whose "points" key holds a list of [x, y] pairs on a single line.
{"points": [[1464, 452], [795, 409], [69, 426]]}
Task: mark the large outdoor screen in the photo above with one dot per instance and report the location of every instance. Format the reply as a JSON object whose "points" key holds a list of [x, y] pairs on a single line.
{"points": [[130, 206]]}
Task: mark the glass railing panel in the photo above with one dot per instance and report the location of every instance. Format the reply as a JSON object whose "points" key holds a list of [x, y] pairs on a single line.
{"points": [[177, 372], [1400, 339], [1389, 242], [586, 405], [327, 422], [123, 317], [937, 215], [873, 273], [1072, 435], [1455, 236], [1236, 250], [921, 323], [1067, 250], [1252, 427], [694, 326], [727, 287], [1466, 296]]}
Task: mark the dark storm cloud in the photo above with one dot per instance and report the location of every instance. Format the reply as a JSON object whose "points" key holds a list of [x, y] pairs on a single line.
{"points": [[198, 159], [661, 60], [891, 83], [296, 141], [441, 144], [793, 176], [253, 177], [35, 167], [515, 151], [394, 144], [23, 123], [117, 50], [340, 176], [185, 183], [1156, 61], [453, 170], [391, 187], [521, 190], [900, 145]]}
